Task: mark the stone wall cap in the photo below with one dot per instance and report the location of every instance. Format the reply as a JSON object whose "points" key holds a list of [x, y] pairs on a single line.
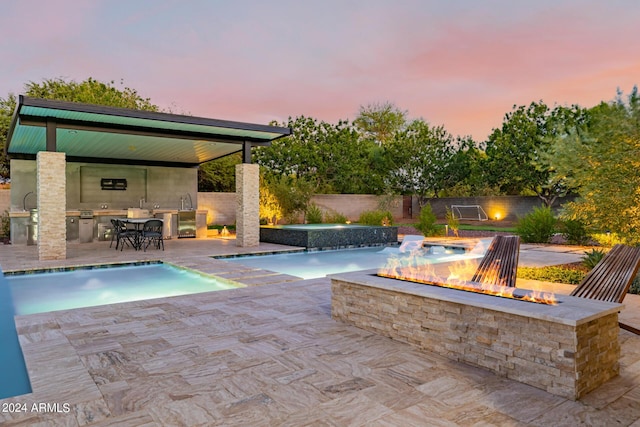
{"points": [[571, 311]]}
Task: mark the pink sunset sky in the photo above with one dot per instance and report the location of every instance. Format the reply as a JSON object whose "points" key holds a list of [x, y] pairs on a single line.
{"points": [[458, 63]]}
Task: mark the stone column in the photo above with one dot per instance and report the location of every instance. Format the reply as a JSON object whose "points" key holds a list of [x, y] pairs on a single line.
{"points": [[52, 209], [247, 205]]}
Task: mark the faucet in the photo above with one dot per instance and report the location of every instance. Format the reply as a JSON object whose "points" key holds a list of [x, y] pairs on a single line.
{"points": [[141, 202], [181, 203], [24, 201], [190, 201]]}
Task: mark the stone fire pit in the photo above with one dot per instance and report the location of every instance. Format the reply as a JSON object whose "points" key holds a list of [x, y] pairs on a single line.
{"points": [[568, 349]]}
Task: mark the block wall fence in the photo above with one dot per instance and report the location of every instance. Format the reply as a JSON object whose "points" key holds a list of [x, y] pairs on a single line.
{"points": [[222, 206], [508, 207]]}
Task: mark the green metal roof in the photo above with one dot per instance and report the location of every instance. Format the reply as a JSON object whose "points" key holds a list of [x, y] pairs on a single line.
{"points": [[95, 132]]}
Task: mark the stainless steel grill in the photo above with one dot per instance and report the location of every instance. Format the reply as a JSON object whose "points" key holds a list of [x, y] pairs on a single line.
{"points": [[85, 226]]}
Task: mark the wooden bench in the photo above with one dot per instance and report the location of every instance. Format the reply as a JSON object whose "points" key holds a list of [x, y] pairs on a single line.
{"points": [[500, 263], [611, 278]]}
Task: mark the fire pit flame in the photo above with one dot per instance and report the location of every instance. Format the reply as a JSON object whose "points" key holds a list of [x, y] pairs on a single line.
{"points": [[494, 290], [412, 271]]}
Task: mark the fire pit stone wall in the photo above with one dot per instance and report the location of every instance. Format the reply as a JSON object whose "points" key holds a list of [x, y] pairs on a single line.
{"points": [[568, 349]]}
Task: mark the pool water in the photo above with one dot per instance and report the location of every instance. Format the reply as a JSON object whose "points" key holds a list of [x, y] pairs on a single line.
{"points": [[100, 286], [315, 264], [51, 291], [13, 375]]}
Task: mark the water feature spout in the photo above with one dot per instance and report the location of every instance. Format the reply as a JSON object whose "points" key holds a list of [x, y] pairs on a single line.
{"points": [[24, 200]]}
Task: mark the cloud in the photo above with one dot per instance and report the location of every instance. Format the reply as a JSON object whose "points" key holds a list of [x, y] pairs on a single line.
{"points": [[452, 63]]}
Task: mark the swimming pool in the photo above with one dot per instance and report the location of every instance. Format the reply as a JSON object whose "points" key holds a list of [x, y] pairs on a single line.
{"points": [[100, 286], [40, 292], [315, 264]]}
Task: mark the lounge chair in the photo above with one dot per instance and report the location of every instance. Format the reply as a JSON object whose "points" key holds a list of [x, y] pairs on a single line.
{"points": [[500, 263], [611, 278]]}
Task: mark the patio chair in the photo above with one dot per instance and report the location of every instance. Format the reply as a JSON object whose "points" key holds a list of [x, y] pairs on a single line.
{"points": [[152, 233], [123, 235], [611, 278], [499, 265], [114, 233]]}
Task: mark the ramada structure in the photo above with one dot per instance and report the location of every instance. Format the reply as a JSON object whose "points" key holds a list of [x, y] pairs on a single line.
{"points": [[103, 161]]}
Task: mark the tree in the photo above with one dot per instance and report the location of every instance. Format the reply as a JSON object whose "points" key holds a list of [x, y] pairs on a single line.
{"points": [[7, 106], [379, 122], [270, 209], [292, 195], [89, 91], [220, 174], [330, 158], [601, 159], [518, 154], [424, 160]]}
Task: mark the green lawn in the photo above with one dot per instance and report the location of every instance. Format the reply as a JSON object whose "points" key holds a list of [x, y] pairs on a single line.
{"points": [[475, 227], [486, 228]]}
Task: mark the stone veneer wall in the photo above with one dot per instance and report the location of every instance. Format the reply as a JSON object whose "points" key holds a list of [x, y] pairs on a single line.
{"points": [[247, 205], [563, 360], [52, 196]]}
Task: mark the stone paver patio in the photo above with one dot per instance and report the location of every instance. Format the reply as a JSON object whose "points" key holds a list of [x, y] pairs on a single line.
{"points": [[271, 355]]}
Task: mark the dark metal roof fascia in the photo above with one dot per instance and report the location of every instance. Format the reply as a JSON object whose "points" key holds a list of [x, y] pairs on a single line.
{"points": [[140, 130], [149, 115], [109, 161]]}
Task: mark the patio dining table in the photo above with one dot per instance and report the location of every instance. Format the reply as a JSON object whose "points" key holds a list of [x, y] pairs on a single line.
{"points": [[138, 223]]}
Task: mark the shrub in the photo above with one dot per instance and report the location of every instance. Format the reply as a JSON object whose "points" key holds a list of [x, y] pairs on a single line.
{"points": [[334, 217], [314, 214], [592, 257], [427, 221], [537, 226], [554, 274], [574, 232], [377, 217], [607, 239], [453, 222], [635, 286], [5, 224]]}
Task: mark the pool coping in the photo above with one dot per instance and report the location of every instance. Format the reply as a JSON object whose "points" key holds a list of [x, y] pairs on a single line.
{"points": [[79, 267]]}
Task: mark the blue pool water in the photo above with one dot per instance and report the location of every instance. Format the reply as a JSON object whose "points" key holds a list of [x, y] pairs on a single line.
{"points": [[13, 372], [43, 292], [314, 264], [101, 286]]}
